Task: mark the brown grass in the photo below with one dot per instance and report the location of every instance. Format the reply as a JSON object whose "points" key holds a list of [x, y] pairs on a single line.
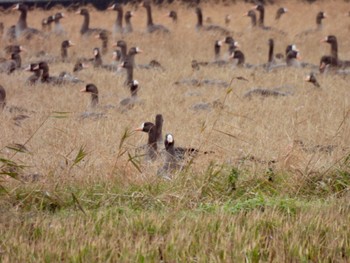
{"points": [[301, 216]]}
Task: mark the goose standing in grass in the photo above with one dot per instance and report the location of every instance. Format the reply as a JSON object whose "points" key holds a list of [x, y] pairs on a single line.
{"points": [[128, 26], [97, 62], [151, 27], [85, 30], [2, 98], [118, 24], [92, 89], [22, 28], [211, 28], [319, 17]]}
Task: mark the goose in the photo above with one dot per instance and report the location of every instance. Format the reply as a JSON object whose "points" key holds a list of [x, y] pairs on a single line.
{"points": [[118, 25], [92, 89], [280, 12], [261, 9], [22, 28], [312, 79], [130, 101], [319, 17], [64, 49], [2, 98], [152, 149], [103, 36], [12, 64], [46, 78], [58, 29], [85, 30], [252, 16], [153, 28], [173, 15], [128, 26], [33, 79], [211, 28]]}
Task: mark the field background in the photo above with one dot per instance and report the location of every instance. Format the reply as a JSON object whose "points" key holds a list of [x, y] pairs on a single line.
{"points": [[83, 194]]}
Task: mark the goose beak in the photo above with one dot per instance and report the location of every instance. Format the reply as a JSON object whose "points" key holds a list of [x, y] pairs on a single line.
{"points": [[78, 12], [83, 90], [111, 7], [138, 129], [307, 78], [245, 14], [324, 40], [71, 43], [16, 7], [27, 68]]}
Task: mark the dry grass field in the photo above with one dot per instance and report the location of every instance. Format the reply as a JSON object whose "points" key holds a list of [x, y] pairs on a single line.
{"points": [[84, 193]]}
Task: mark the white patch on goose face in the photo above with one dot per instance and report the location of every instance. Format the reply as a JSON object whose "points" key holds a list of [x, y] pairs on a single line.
{"points": [[138, 50], [308, 77], [95, 52], [169, 138], [220, 43], [285, 10], [135, 82], [236, 44]]}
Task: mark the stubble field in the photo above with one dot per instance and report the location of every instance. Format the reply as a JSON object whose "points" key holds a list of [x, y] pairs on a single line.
{"points": [[275, 186]]}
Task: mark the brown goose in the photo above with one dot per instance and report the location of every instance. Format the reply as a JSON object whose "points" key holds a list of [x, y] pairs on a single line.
{"points": [[131, 55], [2, 98], [173, 15], [128, 26], [130, 101], [152, 149], [14, 49], [261, 9], [79, 66], [123, 48], [252, 16], [280, 12], [153, 28], [22, 29], [92, 89], [118, 25], [33, 79], [335, 62], [85, 30], [64, 49], [103, 36], [319, 17], [46, 23], [46, 78], [12, 64], [171, 161], [212, 28], [129, 72]]}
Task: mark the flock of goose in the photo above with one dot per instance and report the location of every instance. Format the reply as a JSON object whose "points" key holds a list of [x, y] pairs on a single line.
{"points": [[124, 62]]}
